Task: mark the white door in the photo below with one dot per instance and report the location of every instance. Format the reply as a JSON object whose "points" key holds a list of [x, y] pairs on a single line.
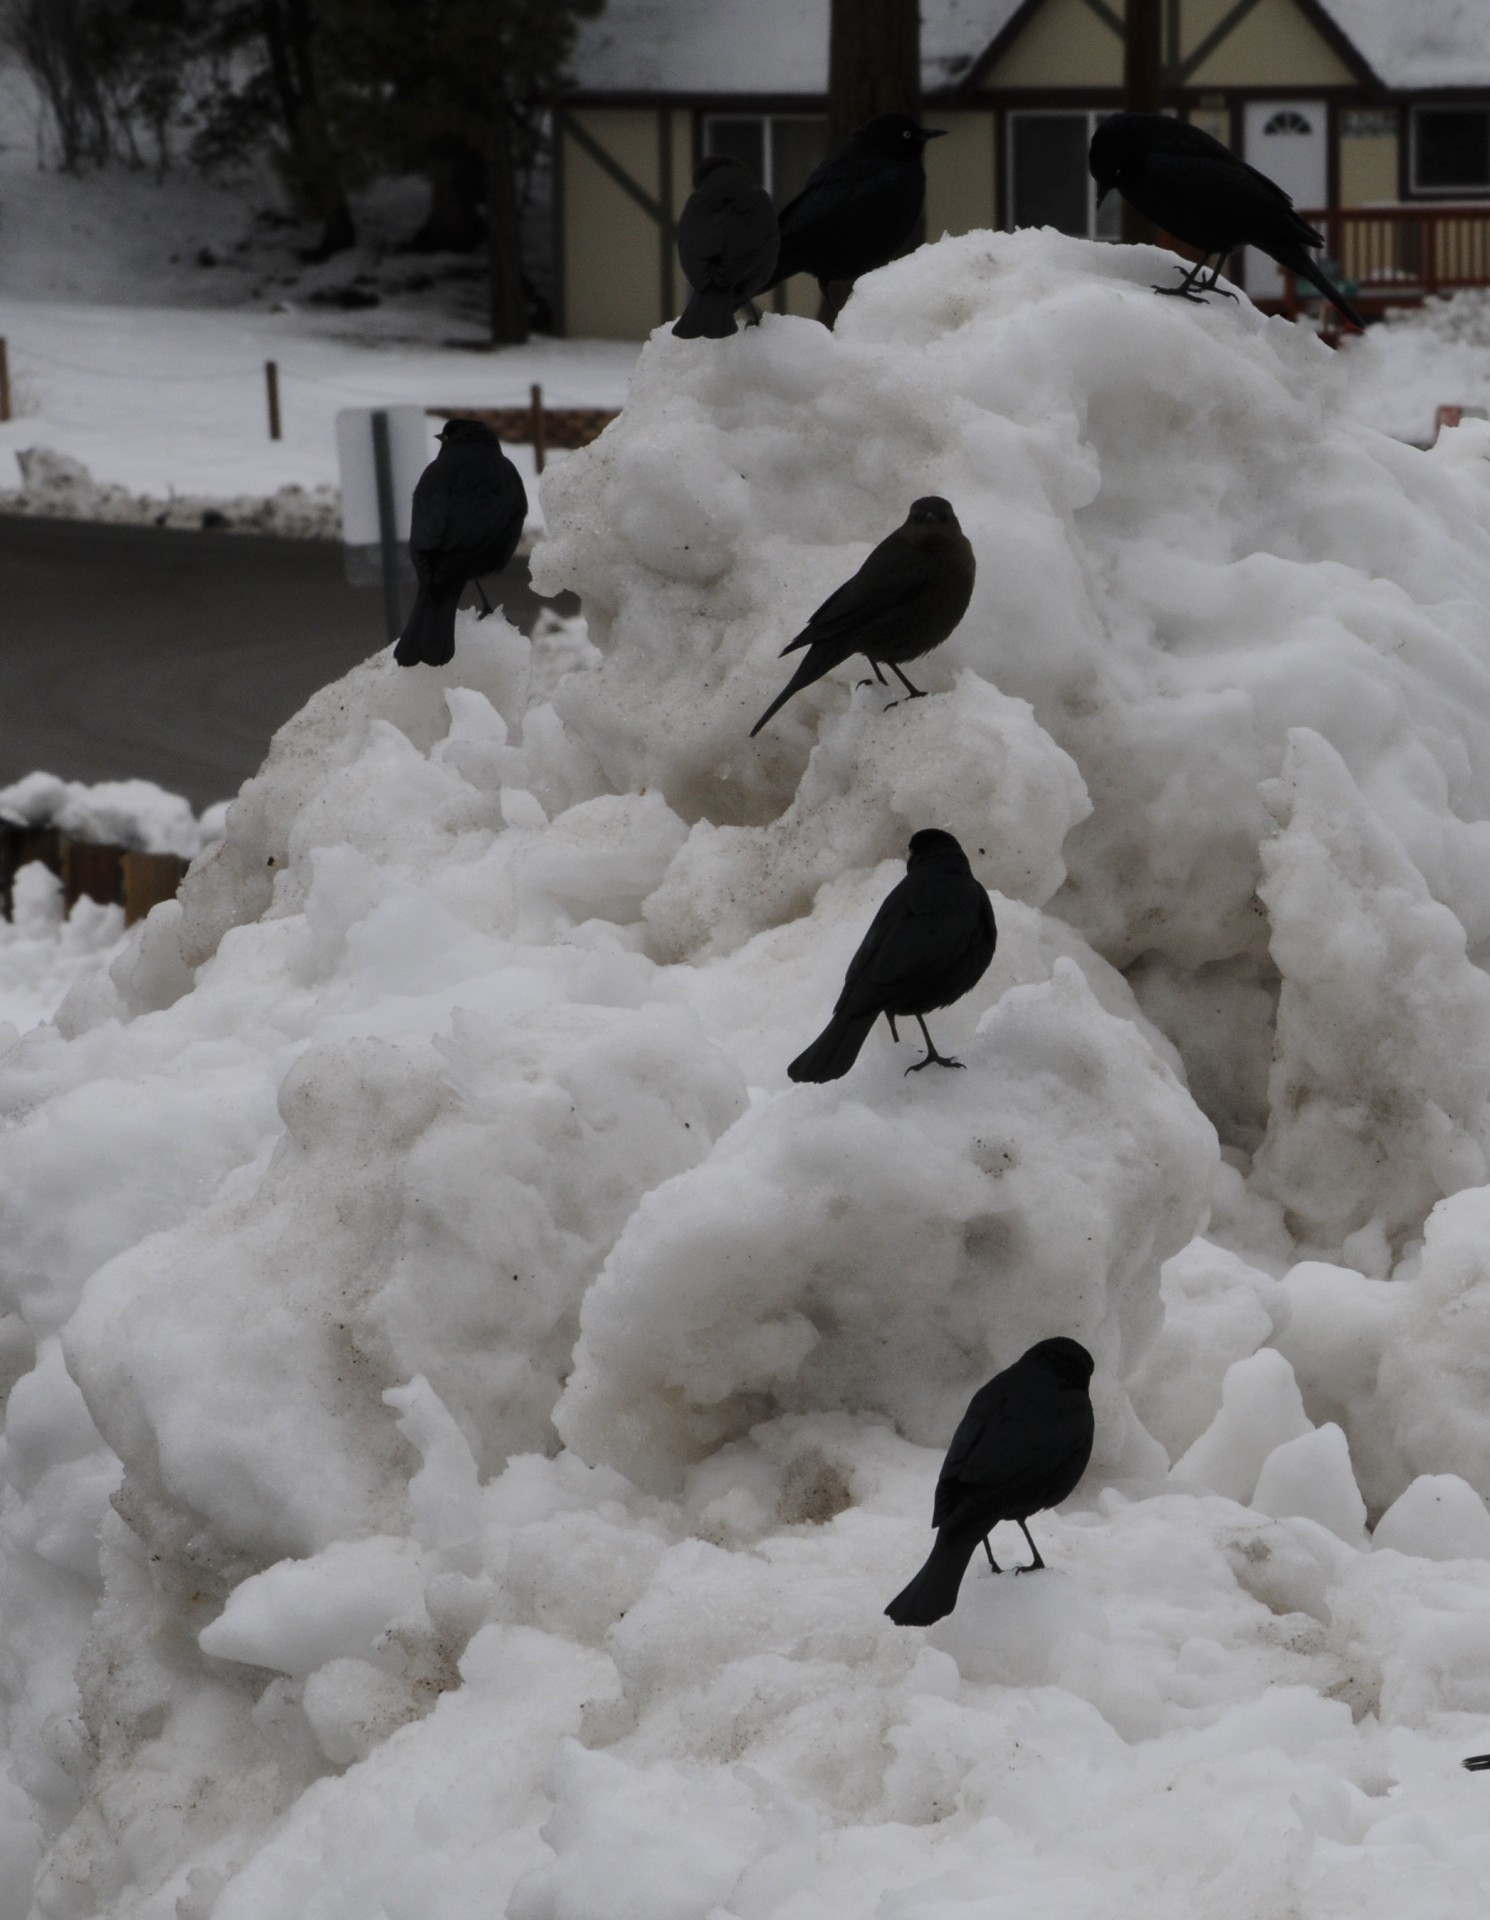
{"points": [[1288, 141]]}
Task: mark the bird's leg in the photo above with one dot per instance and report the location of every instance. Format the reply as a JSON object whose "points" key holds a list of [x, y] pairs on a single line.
{"points": [[877, 675], [752, 314], [1213, 285], [1037, 1563], [486, 605], [941, 1061], [1184, 291], [998, 1569], [912, 693], [893, 1034]]}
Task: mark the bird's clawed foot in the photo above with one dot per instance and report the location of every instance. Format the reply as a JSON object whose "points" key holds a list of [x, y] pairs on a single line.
{"points": [[916, 693], [940, 1060], [1183, 293], [998, 1569]]}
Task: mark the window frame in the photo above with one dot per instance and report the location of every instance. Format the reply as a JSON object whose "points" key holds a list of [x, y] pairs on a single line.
{"points": [[1440, 190], [765, 121], [1094, 116]]}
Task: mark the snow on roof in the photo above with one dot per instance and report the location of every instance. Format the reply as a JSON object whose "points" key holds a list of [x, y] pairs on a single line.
{"points": [[769, 46], [781, 46], [1419, 43]]}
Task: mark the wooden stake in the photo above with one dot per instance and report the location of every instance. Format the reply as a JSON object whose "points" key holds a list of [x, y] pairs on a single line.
{"points": [[4, 382], [271, 381], [539, 448]]}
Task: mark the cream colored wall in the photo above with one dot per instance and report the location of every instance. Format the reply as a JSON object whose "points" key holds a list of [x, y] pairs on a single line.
{"points": [[610, 244], [1368, 169], [1064, 45], [959, 174], [1275, 46]]}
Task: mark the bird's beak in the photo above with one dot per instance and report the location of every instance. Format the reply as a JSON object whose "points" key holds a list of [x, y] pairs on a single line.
{"points": [[934, 133], [1102, 192]]}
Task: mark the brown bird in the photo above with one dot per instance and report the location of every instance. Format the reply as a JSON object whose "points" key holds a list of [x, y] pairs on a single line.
{"points": [[906, 598]]}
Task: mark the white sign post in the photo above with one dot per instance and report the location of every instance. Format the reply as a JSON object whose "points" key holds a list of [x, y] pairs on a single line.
{"points": [[381, 452]]}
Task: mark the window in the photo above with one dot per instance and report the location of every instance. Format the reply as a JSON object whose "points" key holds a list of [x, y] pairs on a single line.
{"points": [[779, 149], [1451, 149], [1050, 184], [1289, 120]]}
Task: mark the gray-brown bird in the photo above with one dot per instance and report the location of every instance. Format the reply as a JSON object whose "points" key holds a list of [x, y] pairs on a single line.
{"points": [[906, 598], [726, 246]]}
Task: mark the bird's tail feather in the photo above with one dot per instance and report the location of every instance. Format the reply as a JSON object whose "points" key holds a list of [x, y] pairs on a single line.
{"points": [[933, 1593], [809, 671], [708, 316], [1327, 287], [835, 1049], [429, 633]]}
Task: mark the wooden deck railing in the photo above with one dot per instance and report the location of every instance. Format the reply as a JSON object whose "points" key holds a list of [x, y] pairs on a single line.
{"points": [[1399, 255]]}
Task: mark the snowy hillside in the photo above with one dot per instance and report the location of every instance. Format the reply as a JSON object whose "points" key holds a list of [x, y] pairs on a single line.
{"points": [[470, 1410]]}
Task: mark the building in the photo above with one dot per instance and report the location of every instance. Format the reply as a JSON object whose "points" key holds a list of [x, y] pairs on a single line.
{"points": [[1374, 113]]}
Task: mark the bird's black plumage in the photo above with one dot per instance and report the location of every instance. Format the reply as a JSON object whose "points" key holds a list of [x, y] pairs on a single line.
{"points": [[1022, 1445], [1193, 187], [860, 206], [469, 508], [905, 599], [928, 945], [727, 242], [1478, 1763]]}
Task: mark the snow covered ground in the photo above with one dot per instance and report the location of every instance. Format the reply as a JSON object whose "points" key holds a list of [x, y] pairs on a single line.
{"points": [[469, 1410]]}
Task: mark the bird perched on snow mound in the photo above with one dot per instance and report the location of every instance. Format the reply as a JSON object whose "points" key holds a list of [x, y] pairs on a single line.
{"points": [[726, 246], [1193, 187], [1022, 1445], [469, 509], [928, 945], [905, 599], [860, 206]]}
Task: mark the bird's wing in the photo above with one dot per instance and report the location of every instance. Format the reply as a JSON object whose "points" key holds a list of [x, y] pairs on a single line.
{"points": [[929, 918], [428, 517], [834, 193], [1012, 1444], [1207, 190], [892, 577]]}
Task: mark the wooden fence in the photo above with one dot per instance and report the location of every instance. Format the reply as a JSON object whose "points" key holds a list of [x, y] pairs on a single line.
{"points": [[117, 876], [1398, 256], [536, 425]]}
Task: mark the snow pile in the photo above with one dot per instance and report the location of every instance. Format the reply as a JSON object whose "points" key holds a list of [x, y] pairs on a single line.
{"points": [[44, 951], [135, 814], [60, 488], [469, 1410]]}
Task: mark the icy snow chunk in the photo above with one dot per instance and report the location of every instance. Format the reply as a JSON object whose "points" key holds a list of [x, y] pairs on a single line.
{"points": [[353, 1706], [1311, 1476], [1438, 1517], [1382, 1069], [1217, 1309], [120, 813], [1333, 1331], [1261, 1408], [853, 1246], [1434, 1372], [1011, 1629], [339, 1605]]}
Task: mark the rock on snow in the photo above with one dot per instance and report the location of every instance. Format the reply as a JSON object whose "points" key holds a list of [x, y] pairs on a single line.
{"points": [[467, 1411]]}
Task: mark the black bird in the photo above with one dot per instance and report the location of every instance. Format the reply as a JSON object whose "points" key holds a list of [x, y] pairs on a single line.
{"points": [[929, 944], [905, 599], [1022, 1445], [1193, 187], [860, 206], [726, 245], [469, 508]]}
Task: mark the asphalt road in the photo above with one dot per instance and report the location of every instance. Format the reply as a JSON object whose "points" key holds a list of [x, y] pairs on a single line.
{"points": [[137, 653]]}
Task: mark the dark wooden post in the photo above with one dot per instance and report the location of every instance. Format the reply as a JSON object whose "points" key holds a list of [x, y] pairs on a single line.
{"points": [[874, 63], [1142, 92], [4, 382], [535, 393], [149, 878], [88, 868], [271, 384]]}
